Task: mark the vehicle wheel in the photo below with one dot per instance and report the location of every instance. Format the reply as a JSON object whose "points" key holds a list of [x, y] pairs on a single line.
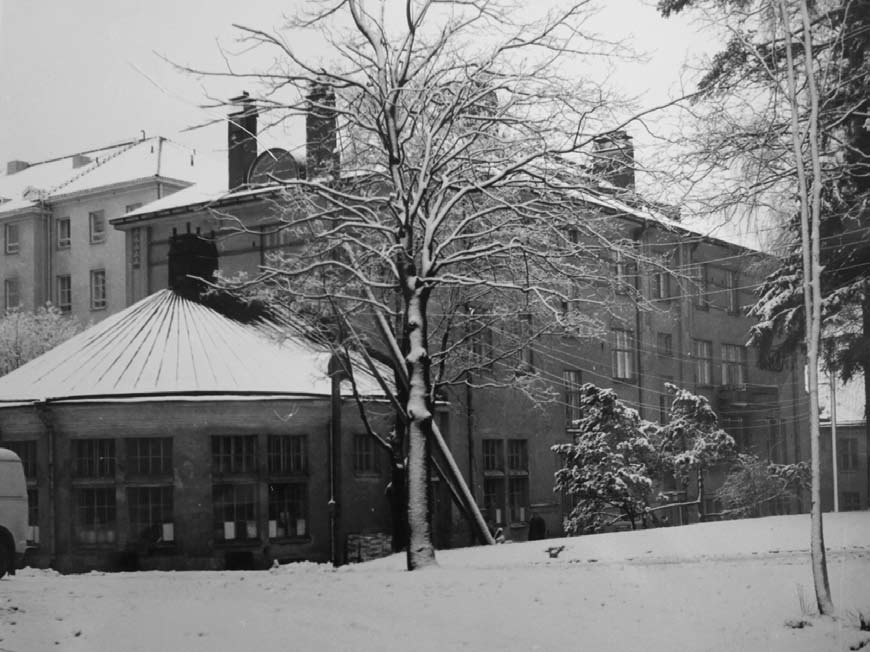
{"points": [[5, 559]]}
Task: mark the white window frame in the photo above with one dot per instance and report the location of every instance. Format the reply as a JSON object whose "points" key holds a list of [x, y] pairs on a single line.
{"points": [[12, 238], [11, 290], [99, 290], [64, 303], [64, 241], [97, 226]]}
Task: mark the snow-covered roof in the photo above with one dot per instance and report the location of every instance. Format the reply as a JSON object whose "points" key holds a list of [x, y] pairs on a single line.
{"points": [[169, 346], [128, 162]]}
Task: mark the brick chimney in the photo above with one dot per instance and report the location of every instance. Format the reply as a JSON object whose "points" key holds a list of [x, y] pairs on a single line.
{"points": [[613, 159], [322, 156], [191, 255], [16, 166], [241, 140]]}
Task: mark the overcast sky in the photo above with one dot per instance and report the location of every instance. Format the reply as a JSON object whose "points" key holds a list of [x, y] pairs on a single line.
{"points": [[79, 74]]}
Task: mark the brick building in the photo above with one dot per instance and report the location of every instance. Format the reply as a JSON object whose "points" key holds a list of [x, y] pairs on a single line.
{"points": [[691, 329], [171, 436]]}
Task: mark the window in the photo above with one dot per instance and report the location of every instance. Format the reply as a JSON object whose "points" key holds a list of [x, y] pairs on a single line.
{"points": [[493, 455], [149, 456], [517, 455], [129, 208], [64, 233], [95, 515], [732, 297], [151, 514], [850, 501], [94, 458], [623, 354], [481, 342], [11, 237], [233, 454], [734, 364], [506, 480], [734, 427], [286, 454], [11, 297], [64, 293], [665, 400], [703, 352], [847, 450], [366, 459], [702, 287], [665, 345], [571, 378], [623, 272], [98, 289], [288, 510], [26, 450], [661, 285], [775, 441], [518, 499], [97, 222], [235, 511]]}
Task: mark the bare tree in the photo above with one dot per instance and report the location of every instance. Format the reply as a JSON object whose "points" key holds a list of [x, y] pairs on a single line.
{"points": [[450, 193], [767, 81]]}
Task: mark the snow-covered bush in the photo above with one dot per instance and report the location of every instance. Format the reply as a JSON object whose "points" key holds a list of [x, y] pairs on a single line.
{"points": [[753, 485], [692, 441], [606, 470]]}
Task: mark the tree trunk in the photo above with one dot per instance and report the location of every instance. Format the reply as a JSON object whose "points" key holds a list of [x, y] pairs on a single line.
{"points": [[810, 207], [865, 367], [421, 552], [701, 515]]}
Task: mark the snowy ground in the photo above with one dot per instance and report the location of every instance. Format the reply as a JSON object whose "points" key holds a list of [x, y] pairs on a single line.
{"points": [[717, 587]]}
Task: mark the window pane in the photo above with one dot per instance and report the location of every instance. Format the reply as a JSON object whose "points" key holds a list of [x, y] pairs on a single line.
{"points": [[235, 511], [93, 458], [149, 455], [95, 516], [571, 378], [288, 510], [493, 457], [151, 514]]}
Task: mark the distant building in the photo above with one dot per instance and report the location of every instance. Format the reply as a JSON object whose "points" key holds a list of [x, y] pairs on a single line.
{"points": [[56, 243]]}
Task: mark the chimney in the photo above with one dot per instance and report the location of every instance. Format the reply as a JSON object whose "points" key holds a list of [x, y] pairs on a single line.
{"points": [[16, 166], [613, 159], [241, 140], [191, 255], [321, 133], [80, 160]]}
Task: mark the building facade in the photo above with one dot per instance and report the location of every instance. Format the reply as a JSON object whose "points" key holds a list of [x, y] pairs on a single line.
{"points": [[170, 436], [57, 243], [681, 320]]}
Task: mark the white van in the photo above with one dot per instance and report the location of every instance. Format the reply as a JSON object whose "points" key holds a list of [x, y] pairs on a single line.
{"points": [[13, 512]]}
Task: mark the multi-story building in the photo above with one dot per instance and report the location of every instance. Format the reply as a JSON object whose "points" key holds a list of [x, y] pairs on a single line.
{"points": [[682, 319], [689, 328], [57, 243]]}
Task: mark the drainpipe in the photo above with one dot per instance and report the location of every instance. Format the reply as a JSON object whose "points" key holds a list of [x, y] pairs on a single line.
{"points": [[44, 414], [334, 504]]}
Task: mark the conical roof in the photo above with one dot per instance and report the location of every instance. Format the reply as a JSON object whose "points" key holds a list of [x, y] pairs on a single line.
{"points": [[169, 346]]}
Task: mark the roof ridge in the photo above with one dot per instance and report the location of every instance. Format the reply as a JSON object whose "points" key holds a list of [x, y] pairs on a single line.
{"points": [[96, 164]]}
